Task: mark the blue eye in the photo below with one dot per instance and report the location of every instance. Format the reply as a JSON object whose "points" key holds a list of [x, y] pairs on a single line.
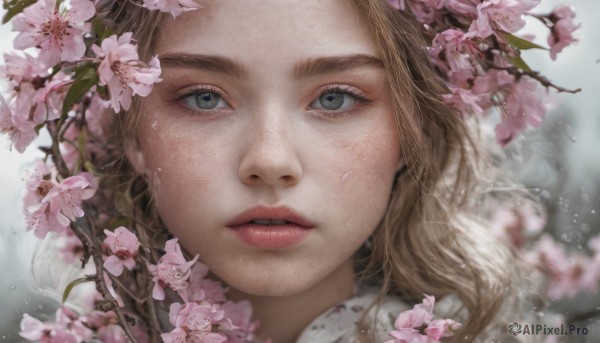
{"points": [[334, 100], [203, 99]]}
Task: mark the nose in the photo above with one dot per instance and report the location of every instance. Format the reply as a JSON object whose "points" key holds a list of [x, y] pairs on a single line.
{"points": [[270, 156]]}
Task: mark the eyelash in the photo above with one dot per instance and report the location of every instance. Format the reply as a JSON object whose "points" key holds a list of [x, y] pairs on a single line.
{"points": [[361, 100]]}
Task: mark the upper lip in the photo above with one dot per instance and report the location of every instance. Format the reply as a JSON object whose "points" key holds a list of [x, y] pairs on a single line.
{"points": [[262, 212]]}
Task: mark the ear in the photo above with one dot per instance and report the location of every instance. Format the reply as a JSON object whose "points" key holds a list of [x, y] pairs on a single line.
{"points": [[136, 157]]}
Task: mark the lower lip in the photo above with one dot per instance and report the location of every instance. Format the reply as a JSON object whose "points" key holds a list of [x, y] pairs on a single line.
{"points": [[270, 236]]}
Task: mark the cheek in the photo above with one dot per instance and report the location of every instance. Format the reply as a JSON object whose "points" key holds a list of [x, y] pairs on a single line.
{"points": [[362, 173], [181, 168]]}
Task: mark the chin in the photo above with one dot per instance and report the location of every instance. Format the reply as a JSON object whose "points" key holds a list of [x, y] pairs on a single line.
{"points": [[269, 280]]}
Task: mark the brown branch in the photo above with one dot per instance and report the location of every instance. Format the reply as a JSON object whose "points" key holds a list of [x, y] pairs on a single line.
{"points": [[534, 75], [94, 251], [154, 324]]}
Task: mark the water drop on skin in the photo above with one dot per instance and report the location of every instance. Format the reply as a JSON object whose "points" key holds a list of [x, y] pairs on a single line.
{"points": [[346, 176]]}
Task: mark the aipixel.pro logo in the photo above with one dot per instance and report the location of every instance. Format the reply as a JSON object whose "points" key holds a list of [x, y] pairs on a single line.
{"points": [[539, 329]]}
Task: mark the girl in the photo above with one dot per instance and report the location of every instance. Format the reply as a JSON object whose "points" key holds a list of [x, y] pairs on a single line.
{"points": [[325, 115]]}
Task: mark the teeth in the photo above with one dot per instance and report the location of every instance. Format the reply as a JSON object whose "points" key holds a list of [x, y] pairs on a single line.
{"points": [[270, 221], [278, 221]]}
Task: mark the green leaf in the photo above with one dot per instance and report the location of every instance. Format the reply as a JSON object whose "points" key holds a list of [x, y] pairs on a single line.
{"points": [[520, 43], [100, 29], [15, 7], [78, 68], [84, 81], [519, 63], [73, 284]]}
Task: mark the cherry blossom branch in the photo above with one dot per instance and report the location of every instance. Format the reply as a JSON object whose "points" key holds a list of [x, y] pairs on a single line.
{"points": [[57, 159], [534, 75], [101, 286]]}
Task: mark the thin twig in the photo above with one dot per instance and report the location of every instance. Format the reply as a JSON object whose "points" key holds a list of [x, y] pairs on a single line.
{"points": [[115, 279]]}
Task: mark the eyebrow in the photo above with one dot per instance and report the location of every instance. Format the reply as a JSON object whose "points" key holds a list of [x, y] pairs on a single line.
{"points": [[306, 68]]}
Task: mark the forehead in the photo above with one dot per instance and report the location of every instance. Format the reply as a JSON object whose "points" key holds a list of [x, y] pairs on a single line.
{"points": [[267, 30]]}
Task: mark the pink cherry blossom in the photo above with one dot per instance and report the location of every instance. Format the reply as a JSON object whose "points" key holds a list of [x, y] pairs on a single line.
{"points": [[204, 289], [463, 6], [493, 81], [176, 7], [32, 329], [171, 271], [35, 188], [567, 273], [60, 203], [193, 323], [441, 328], [517, 224], [70, 321], [67, 196], [425, 10], [450, 52], [420, 314], [398, 4], [239, 316], [123, 72], [59, 36], [123, 245], [49, 100], [466, 102], [523, 106], [66, 328], [409, 323], [21, 67], [504, 15], [561, 34], [13, 121]]}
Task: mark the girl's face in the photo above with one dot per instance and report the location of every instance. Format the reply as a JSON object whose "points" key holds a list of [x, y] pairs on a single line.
{"points": [[269, 103]]}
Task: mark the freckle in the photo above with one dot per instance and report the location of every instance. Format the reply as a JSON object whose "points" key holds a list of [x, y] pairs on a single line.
{"points": [[346, 176]]}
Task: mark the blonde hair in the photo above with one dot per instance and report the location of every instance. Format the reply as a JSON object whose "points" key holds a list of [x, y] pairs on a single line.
{"points": [[430, 240]]}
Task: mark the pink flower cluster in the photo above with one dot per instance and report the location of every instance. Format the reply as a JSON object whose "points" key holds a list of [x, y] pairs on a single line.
{"points": [[34, 97], [568, 274], [410, 325], [51, 206], [175, 7], [518, 224], [69, 327], [479, 56], [205, 315]]}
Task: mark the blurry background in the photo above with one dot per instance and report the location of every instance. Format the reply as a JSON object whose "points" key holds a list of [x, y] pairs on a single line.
{"points": [[559, 161]]}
